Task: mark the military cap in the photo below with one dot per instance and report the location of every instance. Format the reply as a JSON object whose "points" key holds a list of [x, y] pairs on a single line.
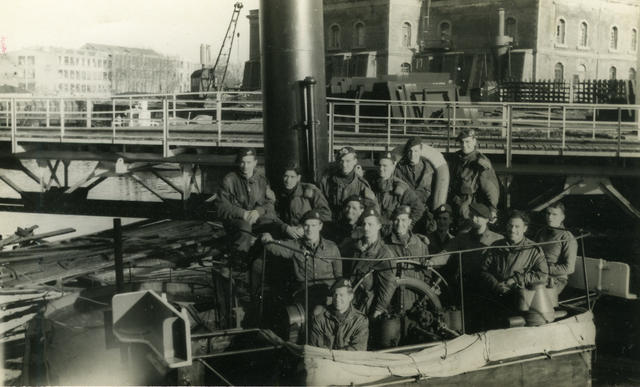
{"points": [[413, 141], [311, 214], [341, 283], [401, 210], [480, 209], [388, 155], [293, 166], [345, 151], [245, 152], [442, 209], [466, 132], [370, 211], [353, 198]]}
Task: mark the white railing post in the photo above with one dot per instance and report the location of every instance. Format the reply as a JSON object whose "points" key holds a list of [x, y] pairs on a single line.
{"points": [[165, 128], [357, 123], [549, 122], [505, 119], [14, 126], [593, 125], [404, 118], [174, 105], [389, 124], [61, 119], [571, 91], [113, 120], [509, 136], [219, 115], [564, 127], [453, 125], [331, 128], [48, 109], [89, 108]]}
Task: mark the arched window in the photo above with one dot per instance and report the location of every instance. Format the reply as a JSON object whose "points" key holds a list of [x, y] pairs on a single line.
{"points": [[406, 34], [634, 39], [613, 38], [445, 30], [632, 74], [405, 68], [510, 27], [584, 34], [613, 72], [558, 72], [581, 72], [358, 37], [561, 28], [334, 36]]}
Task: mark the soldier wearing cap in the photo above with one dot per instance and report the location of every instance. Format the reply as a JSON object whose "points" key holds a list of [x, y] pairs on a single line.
{"points": [[342, 326], [245, 201], [295, 199], [442, 235], [477, 236], [312, 248], [374, 271], [416, 170], [346, 224], [472, 177], [392, 192], [344, 181], [403, 243]]}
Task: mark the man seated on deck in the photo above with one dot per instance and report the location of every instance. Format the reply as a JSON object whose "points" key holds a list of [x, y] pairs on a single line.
{"points": [[312, 253], [520, 264], [295, 199], [344, 181], [342, 326], [392, 192], [245, 202]]}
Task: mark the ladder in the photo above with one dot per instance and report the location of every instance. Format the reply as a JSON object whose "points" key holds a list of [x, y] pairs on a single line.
{"points": [[225, 49]]}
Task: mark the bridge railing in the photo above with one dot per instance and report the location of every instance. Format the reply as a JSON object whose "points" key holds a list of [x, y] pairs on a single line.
{"points": [[235, 119]]}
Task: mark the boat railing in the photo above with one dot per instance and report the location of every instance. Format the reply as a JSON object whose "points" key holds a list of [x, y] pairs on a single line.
{"points": [[229, 118]]}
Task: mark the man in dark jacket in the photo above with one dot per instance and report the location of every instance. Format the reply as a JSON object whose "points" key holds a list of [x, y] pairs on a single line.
{"points": [[472, 178], [375, 270], [342, 326], [392, 192], [245, 202], [296, 199], [415, 169], [345, 181], [346, 224]]}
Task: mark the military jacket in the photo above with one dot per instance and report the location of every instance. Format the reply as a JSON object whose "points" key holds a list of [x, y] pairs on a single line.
{"points": [[337, 188], [471, 261], [561, 256], [523, 261], [239, 194], [419, 177], [292, 206], [320, 269], [393, 193], [472, 176], [350, 333], [380, 285]]}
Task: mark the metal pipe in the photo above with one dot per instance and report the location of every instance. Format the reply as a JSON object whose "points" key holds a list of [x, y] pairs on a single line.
{"points": [[219, 375], [306, 301], [225, 332], [310, 82], [461, 291], [117, 253], [501, 22], [292, 43], [584, 272], [238, 352]]}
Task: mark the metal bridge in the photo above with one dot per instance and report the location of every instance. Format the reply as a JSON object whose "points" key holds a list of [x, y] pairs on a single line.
{"points": [[136, 136]]}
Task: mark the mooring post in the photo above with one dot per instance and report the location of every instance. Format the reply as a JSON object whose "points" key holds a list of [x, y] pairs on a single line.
{"points": [[117, 253]]}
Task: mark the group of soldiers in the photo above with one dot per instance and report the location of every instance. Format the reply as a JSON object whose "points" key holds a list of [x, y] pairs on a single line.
{"points": [[346, 232]]}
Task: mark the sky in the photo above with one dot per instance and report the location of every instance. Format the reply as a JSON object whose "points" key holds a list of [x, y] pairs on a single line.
{"points": [[171, 27]]}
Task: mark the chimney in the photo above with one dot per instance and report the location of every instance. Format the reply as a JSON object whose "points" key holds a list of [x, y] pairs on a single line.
{"points": [[202, 56]]}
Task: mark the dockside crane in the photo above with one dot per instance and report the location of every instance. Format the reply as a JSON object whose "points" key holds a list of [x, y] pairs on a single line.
{"points": [[212, 78]]}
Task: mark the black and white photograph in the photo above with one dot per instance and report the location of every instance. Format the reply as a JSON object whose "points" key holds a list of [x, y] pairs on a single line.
{"points": [[320, 192]]}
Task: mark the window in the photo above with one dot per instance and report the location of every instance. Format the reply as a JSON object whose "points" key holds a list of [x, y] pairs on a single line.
{"points": [[581, 72], [510, 27], [406, 34], [358, 37], [632, 74], [405, 68], [584, 34], [558, 72], [634, 39], [613, 38], [31, 60], [613, 72], [21, 60], [66, 60], [334, 38], [560, 31], [445, 30]]}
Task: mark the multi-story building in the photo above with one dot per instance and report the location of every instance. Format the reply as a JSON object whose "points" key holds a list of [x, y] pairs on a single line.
{"points": [[10, 73]]}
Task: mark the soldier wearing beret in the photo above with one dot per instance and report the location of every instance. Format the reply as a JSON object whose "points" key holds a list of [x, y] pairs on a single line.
{"points": [[472, 178], [345, 181], [442, 235], [295, 199], [374, 270], [416, 170], [342, 326], [245, 201], [392, 192]]}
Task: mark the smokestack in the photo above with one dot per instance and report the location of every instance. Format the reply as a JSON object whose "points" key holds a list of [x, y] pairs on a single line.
{"points": [[292, 62], [203, 59], [501, 22], [502, 41], [209, 55]]}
